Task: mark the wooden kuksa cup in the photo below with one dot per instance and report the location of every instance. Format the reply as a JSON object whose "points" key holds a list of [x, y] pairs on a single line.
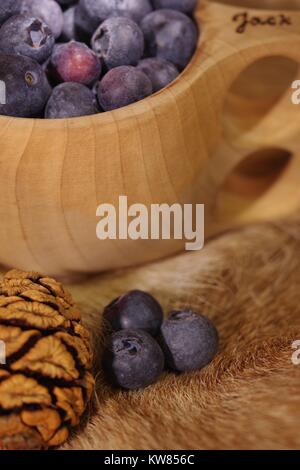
{"points": [[225, 134]]}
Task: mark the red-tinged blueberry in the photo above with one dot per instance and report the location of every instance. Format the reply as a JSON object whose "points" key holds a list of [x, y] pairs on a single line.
{"points": [[189, 341], [122, 86], [133, 359], [9, 8], [185, 6], [170, 35], [71, 100], [135, 310], [161, 72], [75, 62], [47, 10], [28, 36], [27, 87], [118, 41], [90, 13]]}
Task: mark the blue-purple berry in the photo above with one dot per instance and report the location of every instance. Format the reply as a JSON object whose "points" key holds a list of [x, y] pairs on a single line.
{"points": [[47, 10], [189, 341], [135, 310], [66, 3], [132, 359], [122, 86], [123, 50], [185, 6], [69, 28], [118, 41], [27, 36], [160, 71], [90, 13], [27, 87], [70, 100], [9, 8], [75, 62], [170, 35]]}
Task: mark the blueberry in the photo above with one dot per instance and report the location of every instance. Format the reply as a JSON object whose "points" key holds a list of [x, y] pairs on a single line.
{"points": [[69, 29], [133, 359], [75, 62], [122, 86], [47, 10], [84, 26], [135, 310], [170, 35], [189, 341], [9, 8], [27, 36], [66, 3], [185, 6], [70, 100], [161, 72], [90, 13], [27, 87], [118, 41], [140, 46]]}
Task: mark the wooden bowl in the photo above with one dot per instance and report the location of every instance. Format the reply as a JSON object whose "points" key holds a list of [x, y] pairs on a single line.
{"points": [[199, 141]]}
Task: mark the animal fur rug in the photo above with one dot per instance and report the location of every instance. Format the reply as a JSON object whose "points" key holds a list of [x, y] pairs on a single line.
{"points": [[248, 282]]}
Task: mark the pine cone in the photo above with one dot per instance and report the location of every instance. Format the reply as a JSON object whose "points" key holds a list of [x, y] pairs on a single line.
{"points": [[46, 381]]}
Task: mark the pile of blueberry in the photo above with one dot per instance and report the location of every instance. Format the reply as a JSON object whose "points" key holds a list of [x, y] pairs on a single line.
{"points": [[68, 58], [142, 343]]}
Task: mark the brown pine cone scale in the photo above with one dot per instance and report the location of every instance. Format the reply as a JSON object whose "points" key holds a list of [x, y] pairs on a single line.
{"points": [[46, 381]]}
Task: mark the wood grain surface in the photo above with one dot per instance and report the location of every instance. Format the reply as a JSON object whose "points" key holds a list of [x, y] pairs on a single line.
{"points": [[171, 147]]}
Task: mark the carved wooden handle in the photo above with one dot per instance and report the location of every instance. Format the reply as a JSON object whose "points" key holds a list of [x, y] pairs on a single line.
{"points": [[251, 58]]}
